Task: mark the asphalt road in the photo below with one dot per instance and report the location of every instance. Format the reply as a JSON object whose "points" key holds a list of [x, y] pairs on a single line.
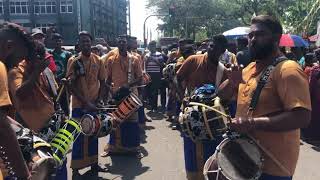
{"points": [[163, 150]]}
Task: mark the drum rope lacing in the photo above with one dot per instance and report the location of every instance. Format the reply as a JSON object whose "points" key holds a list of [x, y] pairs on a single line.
{"points": [[271, 156], [211, 108], [6, 161]]}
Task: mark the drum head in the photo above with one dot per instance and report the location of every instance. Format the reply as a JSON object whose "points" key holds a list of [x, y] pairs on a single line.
{"points": [[87, 124], [43, 167], [136, 100], [195, 123], [239, 159]]}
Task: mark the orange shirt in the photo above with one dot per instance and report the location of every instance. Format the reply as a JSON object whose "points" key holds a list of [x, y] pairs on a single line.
{"points": [[37, 108], [4, 91], [117, 70], [89, 84], [196, 71], [287, 88], [140, 60]]}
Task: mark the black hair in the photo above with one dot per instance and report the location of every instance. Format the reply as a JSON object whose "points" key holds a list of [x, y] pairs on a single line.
{"points": [[186, 41], [123, 36], [310, 58], [270, 22], [132, 38], [220, 40], [242, 41], [173, 46], [85, 33], [14, 30], [152, 42]]}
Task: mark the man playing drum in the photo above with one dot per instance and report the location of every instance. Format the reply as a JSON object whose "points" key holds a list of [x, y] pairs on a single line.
{"points": [[87, 74], [196, 71], [32, 87], [282, 107], [15, 46], [124, 71]]}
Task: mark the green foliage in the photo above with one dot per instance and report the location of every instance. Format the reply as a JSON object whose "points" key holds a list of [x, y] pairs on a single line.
{"points": [[216, 16]]}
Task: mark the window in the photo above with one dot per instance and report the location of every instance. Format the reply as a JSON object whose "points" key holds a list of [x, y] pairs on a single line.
{"points": [[45, 7], [19, 7], [66, 6], [1, 6], [43, 27]]}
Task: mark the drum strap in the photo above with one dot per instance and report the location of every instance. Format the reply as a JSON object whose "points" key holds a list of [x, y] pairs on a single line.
{"points": [[51, 81], [130, 77], [263, 81], [219, 75]]}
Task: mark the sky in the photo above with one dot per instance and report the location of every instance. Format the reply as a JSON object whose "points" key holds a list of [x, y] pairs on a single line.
{"points": [[138, 15]]}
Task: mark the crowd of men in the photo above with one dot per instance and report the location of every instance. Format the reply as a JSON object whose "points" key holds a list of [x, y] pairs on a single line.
{"points": [[31, 75]]}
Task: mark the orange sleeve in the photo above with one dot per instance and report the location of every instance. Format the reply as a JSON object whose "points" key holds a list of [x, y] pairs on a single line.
{"points": [[137, 68], [70, 67], [186, 68], [15, 78], [4, 91], [293, 87]]}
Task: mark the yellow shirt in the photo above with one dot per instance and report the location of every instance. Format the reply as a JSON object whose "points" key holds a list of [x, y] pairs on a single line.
{"points": [[4, 91], [37, 108], [89, 84], [287, 88]]}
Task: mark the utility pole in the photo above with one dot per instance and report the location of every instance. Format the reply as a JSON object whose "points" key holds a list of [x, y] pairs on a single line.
{"points": [[129, 16], [144, 26], [79, 15]]}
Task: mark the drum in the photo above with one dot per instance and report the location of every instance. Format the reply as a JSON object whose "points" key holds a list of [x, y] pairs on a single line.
{"points": [[146, 78], [36, 152], [99, 125], [43, 163], [201, 123], [169, 72], [235, 159], [127, 107], [47, 133], [62, 142]]}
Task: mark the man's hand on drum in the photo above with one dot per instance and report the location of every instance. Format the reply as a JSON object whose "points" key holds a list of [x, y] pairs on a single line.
{"points": [[234, 73], [242, 125]]}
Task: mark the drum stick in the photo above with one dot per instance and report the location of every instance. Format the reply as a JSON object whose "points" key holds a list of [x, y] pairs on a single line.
{"points": [[107, 108], [271, 156], [60, 93], [209, 107]]}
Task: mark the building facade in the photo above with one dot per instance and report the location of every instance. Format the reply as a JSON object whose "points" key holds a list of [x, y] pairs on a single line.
{"points": [[102, 18]]}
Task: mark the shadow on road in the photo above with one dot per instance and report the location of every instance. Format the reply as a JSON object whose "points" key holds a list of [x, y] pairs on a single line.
{"points": [[315, 144], [156, 115], [127, 167]]}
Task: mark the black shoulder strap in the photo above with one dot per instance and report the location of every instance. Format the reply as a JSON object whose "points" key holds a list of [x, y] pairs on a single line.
{"points": [[263, 81], [79, 67]]}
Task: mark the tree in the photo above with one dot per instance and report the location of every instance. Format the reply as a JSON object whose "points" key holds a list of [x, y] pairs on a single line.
{"points": [[217, 16]]}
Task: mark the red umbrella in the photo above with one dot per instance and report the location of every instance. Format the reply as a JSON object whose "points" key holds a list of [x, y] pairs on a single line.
{"points": [[289, 40]]}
